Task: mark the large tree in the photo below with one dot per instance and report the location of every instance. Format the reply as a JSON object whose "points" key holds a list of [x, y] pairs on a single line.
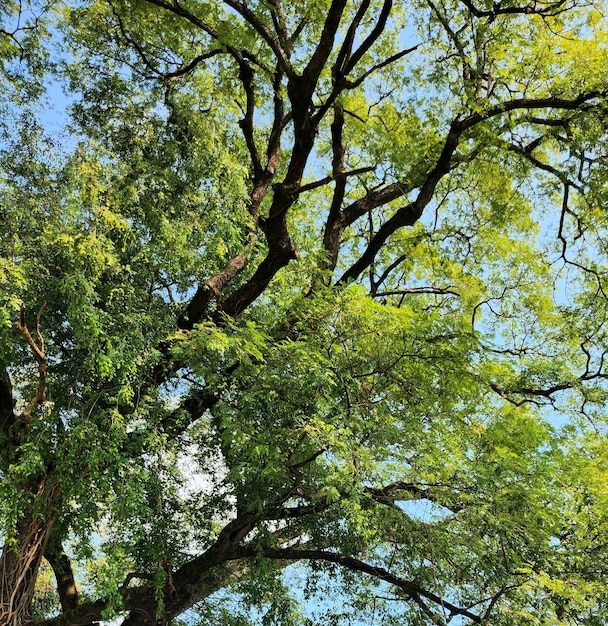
{"points": [[304, 315]]}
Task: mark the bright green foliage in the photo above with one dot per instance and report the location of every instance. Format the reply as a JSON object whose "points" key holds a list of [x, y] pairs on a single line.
{"points": [[303, 314]]}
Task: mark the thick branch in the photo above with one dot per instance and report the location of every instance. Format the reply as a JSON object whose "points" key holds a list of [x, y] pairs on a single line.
{"points": [[246, 77], [64, 576], [278, 257], [374, 199], [339, 68], [212, 287], [389, 494], [371, 38], [319, 58], [333, 231], [278, 123], [190, 583], [405, 216]]}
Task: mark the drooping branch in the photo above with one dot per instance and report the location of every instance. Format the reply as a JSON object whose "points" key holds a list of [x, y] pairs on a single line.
{"points": [[526, 152], [132, 42], [410, 588], [182, 70]]}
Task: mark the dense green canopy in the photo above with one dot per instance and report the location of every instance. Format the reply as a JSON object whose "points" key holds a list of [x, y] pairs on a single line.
{"points": [[304, 312]]}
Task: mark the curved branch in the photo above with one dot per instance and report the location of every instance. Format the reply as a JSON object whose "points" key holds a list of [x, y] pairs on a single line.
{"points": [[411, 213], [186, 69], [411, 588], [388, 61], [550, 9]]}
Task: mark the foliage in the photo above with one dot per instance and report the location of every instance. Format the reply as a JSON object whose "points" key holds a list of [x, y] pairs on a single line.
{"points": [[303, 314]]}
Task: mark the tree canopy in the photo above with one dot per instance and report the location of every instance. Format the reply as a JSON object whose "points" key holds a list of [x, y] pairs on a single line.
{"points": [[304, 312]]}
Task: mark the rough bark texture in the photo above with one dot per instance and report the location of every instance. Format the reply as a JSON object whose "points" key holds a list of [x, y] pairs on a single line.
{"points": [[19, 566]]}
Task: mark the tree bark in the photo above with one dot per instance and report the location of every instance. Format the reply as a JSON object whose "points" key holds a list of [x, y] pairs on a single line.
{"points": [[19, 564]]}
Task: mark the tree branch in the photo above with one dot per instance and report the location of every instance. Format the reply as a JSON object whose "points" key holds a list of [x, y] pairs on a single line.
{"points": [[177, 9], [411, 290], [64, 576], [246, 124], [411, 588], [38, 352], [250, 17], [371, 38], [411, 213], [389, 494], [317, 62], [388, 61], [550, 9], [333, 229]]}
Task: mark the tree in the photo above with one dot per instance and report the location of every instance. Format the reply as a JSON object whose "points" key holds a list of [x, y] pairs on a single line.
{"points": [[306, 319]]}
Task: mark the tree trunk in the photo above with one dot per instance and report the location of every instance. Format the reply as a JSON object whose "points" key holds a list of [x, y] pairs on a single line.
{"points": [[19, 564]]}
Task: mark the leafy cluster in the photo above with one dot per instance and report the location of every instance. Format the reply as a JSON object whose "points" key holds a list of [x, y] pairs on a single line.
{"points": [[303, 313]]}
